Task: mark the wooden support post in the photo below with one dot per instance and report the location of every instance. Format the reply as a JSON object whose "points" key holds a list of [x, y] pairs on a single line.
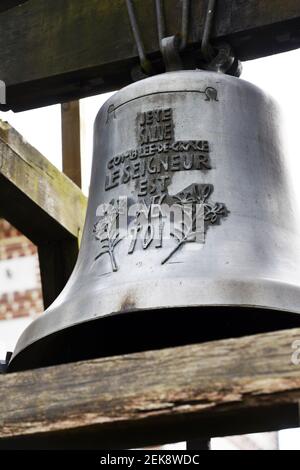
{"points": [[226, 387], [57, 260], [70, 120]]}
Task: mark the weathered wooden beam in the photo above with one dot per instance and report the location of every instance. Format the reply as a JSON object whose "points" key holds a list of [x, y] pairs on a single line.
{"points": [[7, 4], [62, 50], [44, 205], [34, 195], [220, 388]]}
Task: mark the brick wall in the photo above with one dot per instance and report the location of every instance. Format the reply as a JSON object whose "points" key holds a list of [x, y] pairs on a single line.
{"points": [[18, 261]]}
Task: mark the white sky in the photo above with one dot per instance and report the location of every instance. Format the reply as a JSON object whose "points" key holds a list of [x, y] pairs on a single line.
{"points": [[279, 75]]}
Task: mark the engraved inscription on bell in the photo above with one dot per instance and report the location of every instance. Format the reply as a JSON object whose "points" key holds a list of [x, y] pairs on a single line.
{"points": [[156, 215], [155, 126], [158, 156]]}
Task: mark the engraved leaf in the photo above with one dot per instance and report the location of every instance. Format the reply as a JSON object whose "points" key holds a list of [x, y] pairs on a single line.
{"points": [[186, 231], [106, 232]]}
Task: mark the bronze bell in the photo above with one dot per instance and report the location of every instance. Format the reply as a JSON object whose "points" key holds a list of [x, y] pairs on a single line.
{"points": [[192, 228]]}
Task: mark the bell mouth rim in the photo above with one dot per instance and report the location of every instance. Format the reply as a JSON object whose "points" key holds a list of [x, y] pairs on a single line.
{"points": [[170, 293], [232, 320]]}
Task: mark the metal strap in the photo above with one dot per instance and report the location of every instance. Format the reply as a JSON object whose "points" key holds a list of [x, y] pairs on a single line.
{"points": [[218, 59], [206, 48], [185, 23], [221, 57], [145, 63], [171, 45], [161, 22]]}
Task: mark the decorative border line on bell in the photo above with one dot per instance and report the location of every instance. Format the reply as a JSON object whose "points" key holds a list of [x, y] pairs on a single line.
{"points": [[211, 94]]}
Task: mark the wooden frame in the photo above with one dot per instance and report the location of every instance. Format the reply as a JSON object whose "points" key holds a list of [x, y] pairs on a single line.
{"points": [[220, 388], [44, 204], [62, 50]]}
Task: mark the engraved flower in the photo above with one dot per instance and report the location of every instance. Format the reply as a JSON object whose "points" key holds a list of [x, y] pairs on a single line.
{"points": [[106, 230], [197, 195]]}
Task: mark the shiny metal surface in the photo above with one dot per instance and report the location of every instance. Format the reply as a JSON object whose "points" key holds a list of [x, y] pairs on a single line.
{"points": [[206, 138]]}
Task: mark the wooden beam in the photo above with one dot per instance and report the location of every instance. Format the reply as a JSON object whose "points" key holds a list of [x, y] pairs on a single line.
{"points": [[219, 388], [58, 51], [7, 4], [44, 205], [70, 124], [35, 196]]}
